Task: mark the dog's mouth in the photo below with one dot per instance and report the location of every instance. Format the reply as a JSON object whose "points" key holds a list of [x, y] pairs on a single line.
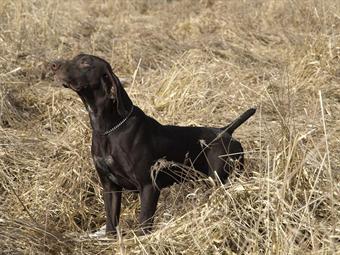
{"points": [[65, 85], [69, 85], [62, 80], [72, 86]]}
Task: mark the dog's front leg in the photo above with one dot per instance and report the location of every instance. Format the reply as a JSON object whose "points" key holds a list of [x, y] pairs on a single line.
{"points": [[112, 201], [149, 197]]}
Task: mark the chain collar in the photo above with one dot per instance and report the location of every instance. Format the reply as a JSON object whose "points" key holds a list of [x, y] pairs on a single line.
{"points": [[120, 123]]}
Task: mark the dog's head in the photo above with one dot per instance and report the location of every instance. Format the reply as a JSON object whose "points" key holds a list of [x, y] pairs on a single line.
{"points": [[91, 77]]}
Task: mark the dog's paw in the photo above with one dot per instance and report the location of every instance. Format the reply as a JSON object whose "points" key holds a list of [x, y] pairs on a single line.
{"points": [[99, 233]]}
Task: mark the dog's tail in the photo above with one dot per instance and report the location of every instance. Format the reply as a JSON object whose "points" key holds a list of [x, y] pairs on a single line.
{"points": [[239, 121]]}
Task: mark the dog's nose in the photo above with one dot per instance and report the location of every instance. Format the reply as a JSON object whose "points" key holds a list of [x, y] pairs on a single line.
{"points": [[55, 65]]}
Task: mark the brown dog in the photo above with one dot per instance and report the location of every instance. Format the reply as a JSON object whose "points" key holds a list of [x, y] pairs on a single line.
{"points": [[126, 142]]}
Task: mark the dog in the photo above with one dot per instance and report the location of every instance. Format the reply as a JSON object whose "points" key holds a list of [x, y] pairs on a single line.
{"points": [[126, 142]]}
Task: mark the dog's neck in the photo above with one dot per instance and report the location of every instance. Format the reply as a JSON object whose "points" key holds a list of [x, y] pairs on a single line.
{"points": [[103, 112]]}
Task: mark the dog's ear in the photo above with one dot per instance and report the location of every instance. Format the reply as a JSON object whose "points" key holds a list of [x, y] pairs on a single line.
{"points": [[117, 92]]}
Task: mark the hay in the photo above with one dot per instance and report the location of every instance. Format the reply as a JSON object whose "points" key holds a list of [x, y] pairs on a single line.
{"points": [[189, 63]]}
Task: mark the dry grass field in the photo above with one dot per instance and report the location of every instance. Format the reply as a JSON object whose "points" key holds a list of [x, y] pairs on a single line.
{"points": [[185, 62]]}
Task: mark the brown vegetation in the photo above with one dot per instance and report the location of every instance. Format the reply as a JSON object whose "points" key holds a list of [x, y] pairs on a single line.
{"points": [[189, 62]]}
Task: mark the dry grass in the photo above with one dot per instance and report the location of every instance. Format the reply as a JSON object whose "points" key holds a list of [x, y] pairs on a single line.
{"points": [[187, 62]]}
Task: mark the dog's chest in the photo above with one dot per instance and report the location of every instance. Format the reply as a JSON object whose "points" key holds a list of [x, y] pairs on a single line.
{"points": [[109, 168]]}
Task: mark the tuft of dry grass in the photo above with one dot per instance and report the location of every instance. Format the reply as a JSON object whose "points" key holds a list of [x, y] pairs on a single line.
{"points": [[190, 63]]}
